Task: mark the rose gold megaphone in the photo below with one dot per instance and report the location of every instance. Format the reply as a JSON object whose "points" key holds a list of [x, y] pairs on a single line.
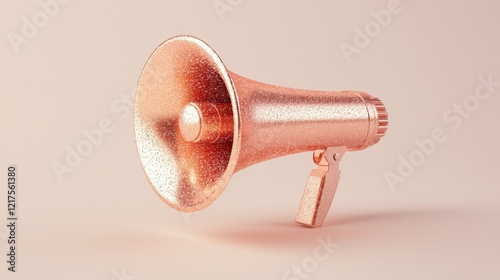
{"points": [[197, 123]]}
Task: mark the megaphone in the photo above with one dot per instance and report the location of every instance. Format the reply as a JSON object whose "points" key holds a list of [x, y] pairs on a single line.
{"points": [[197, 123]]}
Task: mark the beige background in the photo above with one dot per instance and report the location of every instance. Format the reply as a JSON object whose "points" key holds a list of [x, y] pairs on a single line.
{"points": [[102, 221]]}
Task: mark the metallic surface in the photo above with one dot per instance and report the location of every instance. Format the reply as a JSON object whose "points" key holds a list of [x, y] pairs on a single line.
{"points": [[298, 120], [206, 122], [321, 186], [187, 175], [189, 151]]}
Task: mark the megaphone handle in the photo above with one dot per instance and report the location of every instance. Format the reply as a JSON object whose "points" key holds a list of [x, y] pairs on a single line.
{"points": [[321, 186]]}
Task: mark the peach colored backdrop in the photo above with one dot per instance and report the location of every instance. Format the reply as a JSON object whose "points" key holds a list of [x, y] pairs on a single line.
{"points": [[68, 67]]}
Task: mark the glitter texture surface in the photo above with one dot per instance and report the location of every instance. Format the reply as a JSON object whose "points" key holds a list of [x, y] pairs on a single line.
{"points": [[259, 122]]}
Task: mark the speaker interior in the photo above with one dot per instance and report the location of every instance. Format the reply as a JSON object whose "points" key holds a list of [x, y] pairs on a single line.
{"points": [[186, 175]]}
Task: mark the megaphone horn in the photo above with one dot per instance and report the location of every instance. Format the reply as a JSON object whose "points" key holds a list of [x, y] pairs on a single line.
{"points": [[195, 123]]}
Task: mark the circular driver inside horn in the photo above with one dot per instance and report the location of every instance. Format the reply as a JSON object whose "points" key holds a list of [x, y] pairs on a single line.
{"points": [[187, 123]]}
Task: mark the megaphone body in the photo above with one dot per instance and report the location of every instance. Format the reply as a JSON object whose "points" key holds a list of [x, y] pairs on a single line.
{"points": [[197, 123]]}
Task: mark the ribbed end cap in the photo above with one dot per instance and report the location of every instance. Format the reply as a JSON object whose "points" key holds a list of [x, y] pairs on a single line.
{"points": [[383, 117]]}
